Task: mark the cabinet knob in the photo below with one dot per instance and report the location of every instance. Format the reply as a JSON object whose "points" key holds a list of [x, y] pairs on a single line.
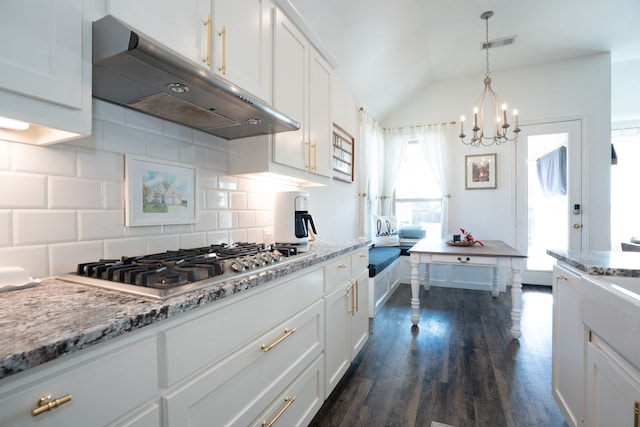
{"points": [[46, 403], [342, 266]]}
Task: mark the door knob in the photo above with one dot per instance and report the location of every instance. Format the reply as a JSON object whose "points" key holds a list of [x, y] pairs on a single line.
{"points": [[576, 226]]}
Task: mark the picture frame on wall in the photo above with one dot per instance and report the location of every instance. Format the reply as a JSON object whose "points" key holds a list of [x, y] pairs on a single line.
{"points": [[159, 192], [480, 171], [343, 152]]}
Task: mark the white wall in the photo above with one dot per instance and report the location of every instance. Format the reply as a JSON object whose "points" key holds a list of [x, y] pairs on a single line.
{"points": [[625, 93], [65, 204], [574, 88]]}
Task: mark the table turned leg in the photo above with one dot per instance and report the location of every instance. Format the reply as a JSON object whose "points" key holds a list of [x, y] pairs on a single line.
{"points": [[516, 299], [427, 278], [415, 291]]}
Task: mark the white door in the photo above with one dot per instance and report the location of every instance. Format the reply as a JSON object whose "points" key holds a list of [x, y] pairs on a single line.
{"points": [[548, 194]]}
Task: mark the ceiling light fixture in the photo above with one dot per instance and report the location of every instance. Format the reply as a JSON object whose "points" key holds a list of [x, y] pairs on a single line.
{"points": [[495, 108]]}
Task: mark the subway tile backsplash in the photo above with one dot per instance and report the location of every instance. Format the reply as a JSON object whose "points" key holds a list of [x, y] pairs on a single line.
{"points": [[65, 204]]}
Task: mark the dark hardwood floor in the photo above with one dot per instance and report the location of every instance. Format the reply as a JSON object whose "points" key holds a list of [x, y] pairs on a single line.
{"points": [[460, 366]]}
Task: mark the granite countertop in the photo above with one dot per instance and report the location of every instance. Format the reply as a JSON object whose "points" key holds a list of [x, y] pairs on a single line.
{"points": [[55, 318], [609, 263]]}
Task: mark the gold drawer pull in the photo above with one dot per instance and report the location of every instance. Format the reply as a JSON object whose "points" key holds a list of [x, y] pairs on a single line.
{"points": [[636, 414], [287, 332], [465, 261], [363, 255], [46, 403], [342, 266], [561, 277], [287, 402]]}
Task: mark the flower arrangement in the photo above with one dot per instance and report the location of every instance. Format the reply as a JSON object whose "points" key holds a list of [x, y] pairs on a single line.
{"points": [[469, 237]]}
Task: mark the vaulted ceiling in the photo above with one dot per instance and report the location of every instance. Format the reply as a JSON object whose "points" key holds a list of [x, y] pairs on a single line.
{"points": [[388, 50]]}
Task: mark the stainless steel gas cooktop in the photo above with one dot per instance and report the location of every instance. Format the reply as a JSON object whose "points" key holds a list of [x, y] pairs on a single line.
{"points": [[166, 274]]}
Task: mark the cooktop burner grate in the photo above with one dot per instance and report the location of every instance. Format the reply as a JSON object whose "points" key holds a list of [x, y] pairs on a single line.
{"points": [[177, 271]]}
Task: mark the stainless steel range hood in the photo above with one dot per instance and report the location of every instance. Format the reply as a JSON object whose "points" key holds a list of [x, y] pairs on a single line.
{"points": [[132, 70]]}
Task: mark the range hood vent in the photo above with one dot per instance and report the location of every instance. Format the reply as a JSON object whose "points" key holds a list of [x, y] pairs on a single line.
{"points": [[131, 70]]}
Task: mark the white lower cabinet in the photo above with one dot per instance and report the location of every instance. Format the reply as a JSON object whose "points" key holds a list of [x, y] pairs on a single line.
{"points": [[238, 389], [99, 384], [346, 314], [245, 360], [613, 387], [568, 345]]}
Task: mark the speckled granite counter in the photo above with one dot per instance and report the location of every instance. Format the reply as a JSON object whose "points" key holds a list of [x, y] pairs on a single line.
{"points": [[601, 262], [55, 318]]}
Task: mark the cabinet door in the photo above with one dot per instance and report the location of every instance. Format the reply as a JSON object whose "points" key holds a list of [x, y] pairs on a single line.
{"points": [[242, 52], [337, 352], [290, 91], [613, 388], [359, 313], [181, 28], [41, 53], [320, 114], [568, 345]]}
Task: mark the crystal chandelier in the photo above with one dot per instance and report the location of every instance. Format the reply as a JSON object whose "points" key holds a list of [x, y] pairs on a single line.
{"points": [[496, 109]]}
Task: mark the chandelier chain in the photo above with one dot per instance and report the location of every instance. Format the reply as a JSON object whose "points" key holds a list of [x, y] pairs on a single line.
{"points": [[486, 46]]}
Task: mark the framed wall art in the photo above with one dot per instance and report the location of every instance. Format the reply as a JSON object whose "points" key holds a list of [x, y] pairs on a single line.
{"points": [[480, 171], [159, 192], [343, 154]]}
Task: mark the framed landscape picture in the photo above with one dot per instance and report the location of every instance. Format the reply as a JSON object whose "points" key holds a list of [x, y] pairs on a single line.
{"points": [[480, 171], [159, 192]]}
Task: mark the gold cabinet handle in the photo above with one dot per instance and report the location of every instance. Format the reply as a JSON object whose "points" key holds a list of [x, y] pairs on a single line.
{"points": [[342, 266], [576, 226], [223, 34], [308, 144], [363, 255], [46, 403], [636, 414], [287, 332], [287, 402], [353, 301], [357, 297], [207, 23], [561, 277], [315, 155]]}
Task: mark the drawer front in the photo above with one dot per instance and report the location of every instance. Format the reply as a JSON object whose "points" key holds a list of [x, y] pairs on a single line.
{"points": [[238, 389], [299, 403], [465, 259], [360, 261], [96, 389], [195, 344], [337, 273]]}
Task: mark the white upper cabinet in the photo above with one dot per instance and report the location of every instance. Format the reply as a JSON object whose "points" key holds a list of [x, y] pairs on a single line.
{"points": [[179, 26], [301, 90], [45, 77], [241, 44]]}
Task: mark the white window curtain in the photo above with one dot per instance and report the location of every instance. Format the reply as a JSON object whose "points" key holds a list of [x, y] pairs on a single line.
{"points": [[371, 137], [393, 151], [432, 140]]}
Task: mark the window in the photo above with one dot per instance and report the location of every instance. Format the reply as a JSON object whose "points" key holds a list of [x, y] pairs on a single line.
{"points": [[418, 199]]}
